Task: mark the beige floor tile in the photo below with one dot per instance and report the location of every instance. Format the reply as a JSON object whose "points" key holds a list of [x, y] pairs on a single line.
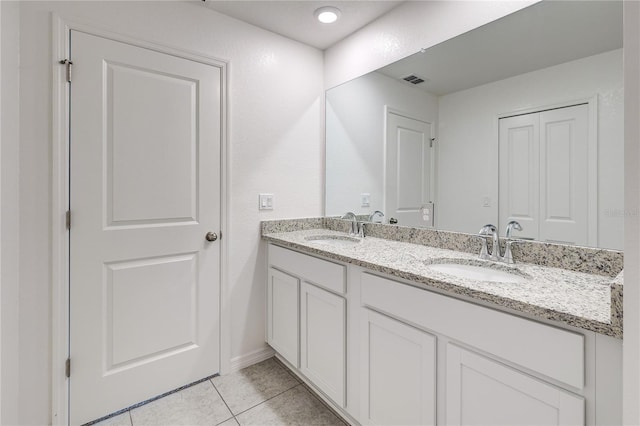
{"points": [[296, 406], [197, 405], [253, 385], [120, 420], [231, 422]]}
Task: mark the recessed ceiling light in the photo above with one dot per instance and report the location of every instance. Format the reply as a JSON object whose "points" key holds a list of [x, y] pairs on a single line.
{"points": [[327, 14]]}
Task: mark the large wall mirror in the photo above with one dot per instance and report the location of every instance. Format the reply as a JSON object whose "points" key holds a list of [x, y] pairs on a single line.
{"points": [[521, 119]]}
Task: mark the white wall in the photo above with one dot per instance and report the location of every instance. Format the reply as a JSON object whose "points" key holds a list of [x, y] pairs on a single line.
{"points": [[356, 137], [631, 347], [9, 241], [407, 29], [275, 129], [468, 147]]}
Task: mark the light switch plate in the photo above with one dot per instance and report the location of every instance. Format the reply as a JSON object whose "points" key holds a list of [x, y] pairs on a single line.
{"points": [[265, 202], [365, 199]]}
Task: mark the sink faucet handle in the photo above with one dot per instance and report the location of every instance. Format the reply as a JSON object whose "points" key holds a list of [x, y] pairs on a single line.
{"points": [[361, 230], [511, 226], [508, 253], [488, 229], [354, 222], [484, 251], [375, 214]]}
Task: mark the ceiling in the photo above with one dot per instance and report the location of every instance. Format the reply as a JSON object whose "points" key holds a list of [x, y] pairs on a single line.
{"points": [[540, 36], [295, 18]]}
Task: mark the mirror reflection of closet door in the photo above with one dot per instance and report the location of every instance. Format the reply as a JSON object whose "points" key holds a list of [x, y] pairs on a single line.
{"points": [[408, 169], [544, 176]]}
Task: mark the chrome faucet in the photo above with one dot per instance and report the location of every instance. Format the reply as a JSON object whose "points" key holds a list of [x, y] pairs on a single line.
{"points": [[508, 255], [485, 253], [354, 222], [375, 214], [495, 254]]}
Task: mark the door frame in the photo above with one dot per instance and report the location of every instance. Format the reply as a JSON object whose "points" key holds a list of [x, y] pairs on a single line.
{"points": [[592, 161], [60, 261]]}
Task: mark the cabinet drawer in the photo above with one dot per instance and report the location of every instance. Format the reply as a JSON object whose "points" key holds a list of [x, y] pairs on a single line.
{"points": [[550, 351], [329, 275]]}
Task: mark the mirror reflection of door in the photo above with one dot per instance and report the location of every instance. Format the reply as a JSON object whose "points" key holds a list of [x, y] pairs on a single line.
{"points": [[408, 169], [544, 175]]}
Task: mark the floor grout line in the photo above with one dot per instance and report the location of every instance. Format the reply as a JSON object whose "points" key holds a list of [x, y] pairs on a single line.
{"points": [[296, 384], [233, 416], [268, 399]]}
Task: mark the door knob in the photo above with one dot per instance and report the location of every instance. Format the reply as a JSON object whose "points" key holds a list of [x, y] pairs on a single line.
{"points": [[211, 236]]}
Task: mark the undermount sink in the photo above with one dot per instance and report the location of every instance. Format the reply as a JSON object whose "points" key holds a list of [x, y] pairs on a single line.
{"points": [[333, 240], [479, 272]]}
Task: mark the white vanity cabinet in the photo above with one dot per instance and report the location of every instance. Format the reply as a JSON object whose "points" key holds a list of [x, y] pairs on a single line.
{"points": [[282, 307], [383, 350], [398, 373], [492, 368], [481, 391], [323, 326], [306, 318]]}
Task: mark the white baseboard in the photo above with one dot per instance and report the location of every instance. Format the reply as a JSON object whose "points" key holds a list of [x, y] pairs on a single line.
{"points": [[246, 360]]}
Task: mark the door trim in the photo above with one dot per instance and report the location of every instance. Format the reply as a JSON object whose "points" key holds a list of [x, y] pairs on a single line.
{"points": [[60, 261], [592, 161]]}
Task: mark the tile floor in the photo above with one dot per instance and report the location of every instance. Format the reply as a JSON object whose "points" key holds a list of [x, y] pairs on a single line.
{"points": [[263, 394]]}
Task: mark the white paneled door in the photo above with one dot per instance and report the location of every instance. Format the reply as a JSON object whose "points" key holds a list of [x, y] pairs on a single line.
{"points": [[544, 175], [409, 171], [144, 192]]}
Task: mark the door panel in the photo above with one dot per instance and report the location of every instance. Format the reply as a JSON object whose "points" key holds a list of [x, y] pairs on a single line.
{"points": [[165, 143], [564, 177], [409, 172], [145, 189], [139, 295], [519, 173]]}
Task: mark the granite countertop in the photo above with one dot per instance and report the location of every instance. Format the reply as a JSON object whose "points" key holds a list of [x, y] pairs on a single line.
{"points": [[579, 299]]}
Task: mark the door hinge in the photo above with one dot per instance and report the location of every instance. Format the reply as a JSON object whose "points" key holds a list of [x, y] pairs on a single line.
{"points": [[67, 368], [67, 63], [431, 141], [67, 219]]}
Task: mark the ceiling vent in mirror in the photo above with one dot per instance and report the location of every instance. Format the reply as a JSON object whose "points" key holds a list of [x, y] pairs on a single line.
{"points": [[414, 79]]}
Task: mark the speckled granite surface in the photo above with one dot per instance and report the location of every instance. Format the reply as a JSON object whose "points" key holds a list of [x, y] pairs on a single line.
{"points": [[591, 301], [589, 260]]}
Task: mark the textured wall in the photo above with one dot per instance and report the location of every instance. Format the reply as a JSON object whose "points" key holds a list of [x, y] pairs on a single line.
{"points": [[275, 142]]}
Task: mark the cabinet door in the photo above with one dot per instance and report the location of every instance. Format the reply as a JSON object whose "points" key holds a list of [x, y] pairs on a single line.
{"points": [[323, 340], [480, 391], [282, 315], [398, 373]]}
